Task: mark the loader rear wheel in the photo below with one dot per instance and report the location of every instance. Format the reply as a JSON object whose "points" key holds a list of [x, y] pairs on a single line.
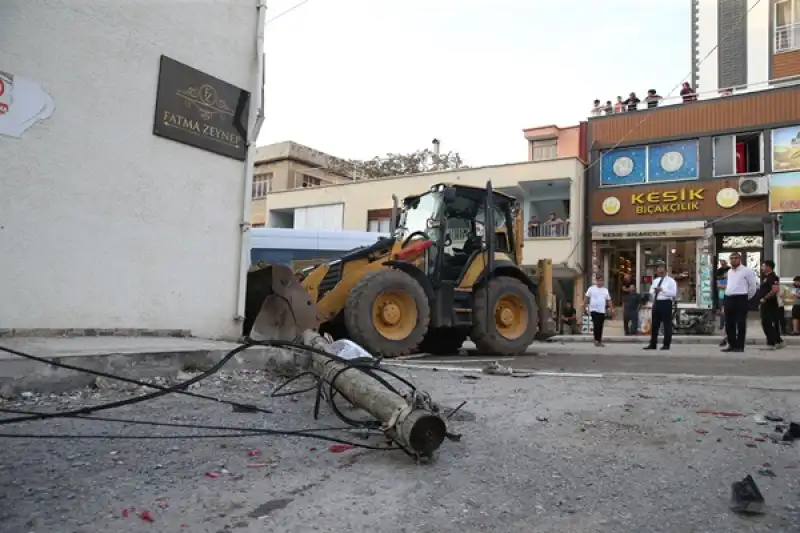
{"points": [[443, 341], [387, 313], [505, 317]]}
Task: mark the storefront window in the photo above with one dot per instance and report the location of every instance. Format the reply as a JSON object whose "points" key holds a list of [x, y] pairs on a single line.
{"points": [[789, 265], [682, 266], [680, 259]]}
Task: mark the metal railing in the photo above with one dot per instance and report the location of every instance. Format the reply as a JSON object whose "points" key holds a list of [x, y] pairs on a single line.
{"points": [[709, 95], [787, 37], [547, 229]]}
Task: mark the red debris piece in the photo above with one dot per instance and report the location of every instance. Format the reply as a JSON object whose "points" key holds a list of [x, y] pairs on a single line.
{"points": [[212, 474], [253, 453], [789, 467], [719, 413], [701, 431], [312, 449], [339, 448], [759, 439], [146, 516], [127, 512]]}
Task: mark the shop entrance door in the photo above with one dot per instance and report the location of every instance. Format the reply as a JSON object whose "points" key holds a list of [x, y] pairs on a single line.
{"points": [[622, 261], [750, 247]]}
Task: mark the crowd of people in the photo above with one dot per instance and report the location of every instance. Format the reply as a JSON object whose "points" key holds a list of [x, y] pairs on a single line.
{"points": [[554, 226], [653, 99], [738, 287]]}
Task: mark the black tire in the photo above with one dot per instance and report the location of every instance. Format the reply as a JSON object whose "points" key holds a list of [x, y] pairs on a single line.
{"points": [[485, 333], [359, 318], [443, 341]]}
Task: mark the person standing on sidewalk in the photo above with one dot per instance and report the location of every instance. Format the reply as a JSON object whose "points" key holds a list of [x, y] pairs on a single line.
{"points": [[662, 293], [768, 294], [599, 300], [742, 286], [630, 302]]}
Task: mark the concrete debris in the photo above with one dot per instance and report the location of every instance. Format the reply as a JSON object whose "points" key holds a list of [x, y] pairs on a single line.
{"points": [[746, 498], [496, 369]]}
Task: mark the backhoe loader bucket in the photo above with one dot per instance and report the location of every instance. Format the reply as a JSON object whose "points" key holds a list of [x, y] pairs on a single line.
{"points": [[287, 308]]}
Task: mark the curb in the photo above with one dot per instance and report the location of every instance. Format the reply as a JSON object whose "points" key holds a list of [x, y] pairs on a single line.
{"points": [[18, 374], [676, 339]]}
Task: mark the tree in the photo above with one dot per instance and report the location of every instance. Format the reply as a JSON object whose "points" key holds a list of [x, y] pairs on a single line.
{"points": [[397, 164]]}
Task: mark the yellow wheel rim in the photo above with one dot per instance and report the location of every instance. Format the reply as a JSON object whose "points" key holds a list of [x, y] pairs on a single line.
{"points": [[511, 316], [394, 315]]}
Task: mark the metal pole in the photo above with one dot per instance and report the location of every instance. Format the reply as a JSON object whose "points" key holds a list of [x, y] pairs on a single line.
{"points": [[409, 421]]}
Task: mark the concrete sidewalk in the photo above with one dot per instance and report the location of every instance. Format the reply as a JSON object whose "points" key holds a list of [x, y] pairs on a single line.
{"points": [[133, 357], [756, 339]]}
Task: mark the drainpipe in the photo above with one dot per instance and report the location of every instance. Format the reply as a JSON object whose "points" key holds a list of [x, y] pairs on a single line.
{"points": [[256, 118]]}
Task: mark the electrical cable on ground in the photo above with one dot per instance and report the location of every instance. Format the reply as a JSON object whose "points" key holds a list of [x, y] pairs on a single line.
{"points": [[369, 367]]}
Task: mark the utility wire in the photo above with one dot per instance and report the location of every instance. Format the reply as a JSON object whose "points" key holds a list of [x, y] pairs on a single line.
{"points": [[286, 12]]}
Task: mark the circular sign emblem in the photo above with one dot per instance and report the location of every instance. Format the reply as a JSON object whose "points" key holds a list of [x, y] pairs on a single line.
{"points": [[727, 198], [611, 205], [623, 166], [672, 161]]}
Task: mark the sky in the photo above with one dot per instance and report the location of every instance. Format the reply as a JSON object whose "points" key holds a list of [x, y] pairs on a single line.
{"points": [[363, 78]]}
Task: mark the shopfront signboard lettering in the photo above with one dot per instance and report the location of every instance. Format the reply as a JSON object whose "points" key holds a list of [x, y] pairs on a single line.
{"points": [[195, 108], [671, 201], [599, 235]]}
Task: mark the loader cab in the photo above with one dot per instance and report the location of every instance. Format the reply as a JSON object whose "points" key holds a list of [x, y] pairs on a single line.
{"points": [[463, 231]]}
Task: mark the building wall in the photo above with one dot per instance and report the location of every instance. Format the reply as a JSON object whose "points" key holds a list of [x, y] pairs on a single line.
{"points": [[759, 42], [738, 112], [103, 224], [362, 196]]}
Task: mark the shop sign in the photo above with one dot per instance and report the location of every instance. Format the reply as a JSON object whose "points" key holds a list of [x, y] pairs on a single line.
{"points": [[197, 109], [600, 235], [675, 201]]}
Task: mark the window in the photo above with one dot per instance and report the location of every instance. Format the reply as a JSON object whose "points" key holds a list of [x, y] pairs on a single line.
{"points": [[789, 262], [262, 184], [738, 154], [544, 150], [310, 181], [787, 25], [379, 225]]}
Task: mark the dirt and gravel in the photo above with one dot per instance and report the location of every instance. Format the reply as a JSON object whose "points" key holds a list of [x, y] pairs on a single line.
{"points": [[545, 454]]}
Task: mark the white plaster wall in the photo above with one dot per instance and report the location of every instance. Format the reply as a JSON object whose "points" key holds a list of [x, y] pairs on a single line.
{"points": [[708, 72], [758, 41], [103, 224]]}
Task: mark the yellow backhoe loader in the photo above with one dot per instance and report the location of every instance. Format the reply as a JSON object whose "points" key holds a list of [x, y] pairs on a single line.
{"points": [[449, 270]]}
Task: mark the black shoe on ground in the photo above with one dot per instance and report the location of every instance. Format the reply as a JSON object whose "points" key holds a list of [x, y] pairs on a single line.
{"points": [[648, 347], [665, 347], [729, 349], [723, 342]]}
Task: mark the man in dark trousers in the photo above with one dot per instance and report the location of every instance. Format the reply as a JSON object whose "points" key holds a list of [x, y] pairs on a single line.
{"points": [[630, 306], [770, 310], [741, 287], [662, 293]]}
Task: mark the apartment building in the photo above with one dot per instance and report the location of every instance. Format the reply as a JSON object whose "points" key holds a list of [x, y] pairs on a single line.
{"points": [[550, 188], [289, 165], [120, 129], [691, 184], [757, 43]]}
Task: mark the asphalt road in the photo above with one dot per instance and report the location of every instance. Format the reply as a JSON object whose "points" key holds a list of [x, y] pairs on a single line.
{"points": [[544, 454], [700, 360]]}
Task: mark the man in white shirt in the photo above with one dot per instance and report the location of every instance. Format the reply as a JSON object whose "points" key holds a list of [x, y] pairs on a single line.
{"points": [[598, 299], [741, 287], [662, 293]]}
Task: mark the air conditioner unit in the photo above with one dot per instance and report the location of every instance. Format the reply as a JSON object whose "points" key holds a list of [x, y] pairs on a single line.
{"points": [[753, 186]]}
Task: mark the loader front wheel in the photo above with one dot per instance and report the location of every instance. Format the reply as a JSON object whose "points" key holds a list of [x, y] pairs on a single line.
{"points": [[387, 313], [504, 316]]}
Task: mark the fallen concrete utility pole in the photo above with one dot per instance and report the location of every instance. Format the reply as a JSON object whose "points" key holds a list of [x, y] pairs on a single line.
{"points": [[410, 421], [289, 313]]}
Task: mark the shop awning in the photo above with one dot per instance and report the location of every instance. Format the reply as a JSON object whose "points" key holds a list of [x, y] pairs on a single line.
{"points": [[695, 228], [790, 227]]}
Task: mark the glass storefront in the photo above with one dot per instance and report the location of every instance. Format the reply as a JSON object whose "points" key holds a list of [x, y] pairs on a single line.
{"points": [[640, 259]]}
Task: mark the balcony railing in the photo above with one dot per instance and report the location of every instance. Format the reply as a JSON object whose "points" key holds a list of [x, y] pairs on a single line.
{"points": [[711, 95], [787, 37], [546, 230]]}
